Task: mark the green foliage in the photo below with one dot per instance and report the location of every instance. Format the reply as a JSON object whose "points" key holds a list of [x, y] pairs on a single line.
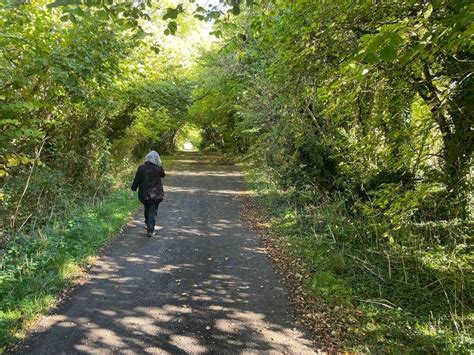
{"points": [[188, 134], [129, 13], [333, 290], [78, 97], [393, 292], [83, 94], [361, 114], [342, 97], [35, 267]]}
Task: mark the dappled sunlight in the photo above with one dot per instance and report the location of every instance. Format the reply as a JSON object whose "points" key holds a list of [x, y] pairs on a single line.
{"points": [[169, 268], [255, 250], [230, 192], [215, 192], [201, 285], [226, 323], [215, 173], [183, 189], [188, 343], [187, 161]]}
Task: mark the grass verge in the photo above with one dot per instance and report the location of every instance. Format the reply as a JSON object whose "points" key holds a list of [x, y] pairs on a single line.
{"points": [[35, 268], [360, 290]]}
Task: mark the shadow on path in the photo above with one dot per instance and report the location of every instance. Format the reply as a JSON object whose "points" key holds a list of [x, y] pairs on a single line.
{"points": [[202, 284]]}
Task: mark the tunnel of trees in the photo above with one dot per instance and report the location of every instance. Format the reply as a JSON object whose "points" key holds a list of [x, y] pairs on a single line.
{"points": [[360, 113]]}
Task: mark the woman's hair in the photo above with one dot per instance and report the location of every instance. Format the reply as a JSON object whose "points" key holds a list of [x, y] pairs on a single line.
{"points": [[153, 157]]}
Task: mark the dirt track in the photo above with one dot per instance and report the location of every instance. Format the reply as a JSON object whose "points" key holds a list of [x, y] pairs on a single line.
{"points": [[201, 285]]}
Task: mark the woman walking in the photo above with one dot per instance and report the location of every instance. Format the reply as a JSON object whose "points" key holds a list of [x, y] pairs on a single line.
{"points": [[150, 189]]}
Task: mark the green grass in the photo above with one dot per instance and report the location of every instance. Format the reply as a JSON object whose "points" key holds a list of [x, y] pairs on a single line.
{"points": [[35, 268], [408, 297]]}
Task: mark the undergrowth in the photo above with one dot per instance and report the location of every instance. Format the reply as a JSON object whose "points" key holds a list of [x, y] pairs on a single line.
{"points": [[42, 260], [414, 291]]}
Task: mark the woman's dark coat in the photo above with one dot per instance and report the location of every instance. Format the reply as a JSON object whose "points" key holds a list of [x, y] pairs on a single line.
{"points": [[147, 176]]}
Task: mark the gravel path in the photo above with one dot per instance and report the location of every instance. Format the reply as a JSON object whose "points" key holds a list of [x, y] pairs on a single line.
{"points": [[201, 285]]}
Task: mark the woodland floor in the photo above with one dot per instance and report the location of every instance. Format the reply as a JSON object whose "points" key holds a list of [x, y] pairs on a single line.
{"points": [[202, 284]]}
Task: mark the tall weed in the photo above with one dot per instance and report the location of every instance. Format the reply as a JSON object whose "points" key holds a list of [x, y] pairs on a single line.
{"points": [[413, 282]]}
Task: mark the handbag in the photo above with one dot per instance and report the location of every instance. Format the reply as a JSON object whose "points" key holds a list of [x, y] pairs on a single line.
{"points": [[154, 194]]}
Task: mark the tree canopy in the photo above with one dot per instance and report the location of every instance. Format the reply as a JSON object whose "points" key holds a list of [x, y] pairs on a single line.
{"points": [[364, 105]]}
